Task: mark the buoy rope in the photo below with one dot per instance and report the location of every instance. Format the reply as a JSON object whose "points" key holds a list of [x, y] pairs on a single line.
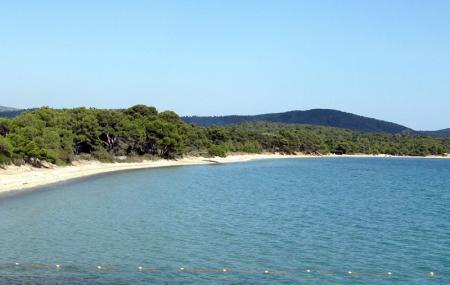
{"points": [[222, 270]]}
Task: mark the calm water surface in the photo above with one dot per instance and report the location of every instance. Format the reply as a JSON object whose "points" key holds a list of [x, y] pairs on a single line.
{"points": [[331, 216]]}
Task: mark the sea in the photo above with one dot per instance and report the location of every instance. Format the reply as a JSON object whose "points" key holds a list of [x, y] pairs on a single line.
{"points": [[280, 221]]}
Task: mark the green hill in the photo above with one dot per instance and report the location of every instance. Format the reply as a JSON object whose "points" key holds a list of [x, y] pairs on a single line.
{"points": [[12, 113], [3, 109], [321, 117], [440, 133]]}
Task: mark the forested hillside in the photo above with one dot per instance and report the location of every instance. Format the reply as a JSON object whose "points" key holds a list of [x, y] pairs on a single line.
{"points": [[439, 133], [12, 113], [322, 117], [60, 136], [3, 108]]}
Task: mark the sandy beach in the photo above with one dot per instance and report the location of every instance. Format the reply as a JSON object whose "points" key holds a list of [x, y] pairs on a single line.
{"points": [[14, 178]]}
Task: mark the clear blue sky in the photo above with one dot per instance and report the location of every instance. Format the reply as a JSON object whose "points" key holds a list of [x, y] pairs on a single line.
{"points": [[385, 59]]}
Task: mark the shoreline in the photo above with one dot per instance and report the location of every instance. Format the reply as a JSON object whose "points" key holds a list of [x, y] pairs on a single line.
{"points": [[14, 179]]}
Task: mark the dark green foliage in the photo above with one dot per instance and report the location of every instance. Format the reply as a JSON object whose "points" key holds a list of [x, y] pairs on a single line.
{"points": [[321, 117], [57, 136], [103, 155], [5, 126], [286, 138], [141, 111], [438, 133], [6, 150], [8, 113], [218, 150]]}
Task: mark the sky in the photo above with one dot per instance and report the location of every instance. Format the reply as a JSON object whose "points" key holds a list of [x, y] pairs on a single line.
{"points": [[387, 59]]}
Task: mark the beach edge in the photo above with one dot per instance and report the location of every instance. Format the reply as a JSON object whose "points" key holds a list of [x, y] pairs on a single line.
{"points": [[15, 179]]}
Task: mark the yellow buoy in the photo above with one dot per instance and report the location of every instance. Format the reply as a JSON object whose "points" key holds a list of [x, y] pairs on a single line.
{"points": [[99, 267]]}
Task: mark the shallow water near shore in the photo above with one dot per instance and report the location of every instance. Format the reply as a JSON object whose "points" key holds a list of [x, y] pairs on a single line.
{"points": [[289, 221]]}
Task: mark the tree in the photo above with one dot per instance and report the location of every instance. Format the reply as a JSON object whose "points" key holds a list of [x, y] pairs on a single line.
{"points": [[5, 126], [217, 150], [141, 111], [6, 150]]}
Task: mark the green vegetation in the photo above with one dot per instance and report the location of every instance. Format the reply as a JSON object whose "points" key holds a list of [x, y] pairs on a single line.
{"points": [[321, 117], [60, 136]]}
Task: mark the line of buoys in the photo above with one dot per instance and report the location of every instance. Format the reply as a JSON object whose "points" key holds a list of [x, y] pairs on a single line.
{"points": [[57, 266]]}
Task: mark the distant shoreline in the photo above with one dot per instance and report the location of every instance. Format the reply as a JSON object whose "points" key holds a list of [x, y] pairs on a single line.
{"points": [[14, 179]]}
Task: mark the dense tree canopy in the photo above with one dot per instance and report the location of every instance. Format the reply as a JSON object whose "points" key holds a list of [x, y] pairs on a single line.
{"points": [[59, 136], [320, 117]]}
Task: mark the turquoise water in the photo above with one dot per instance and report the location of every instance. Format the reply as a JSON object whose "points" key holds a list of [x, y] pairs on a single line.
{"points": [[328, 216]]}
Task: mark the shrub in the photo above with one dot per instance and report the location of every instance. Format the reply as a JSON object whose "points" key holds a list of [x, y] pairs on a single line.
{"points": [[217, 150], [6, 150]]}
